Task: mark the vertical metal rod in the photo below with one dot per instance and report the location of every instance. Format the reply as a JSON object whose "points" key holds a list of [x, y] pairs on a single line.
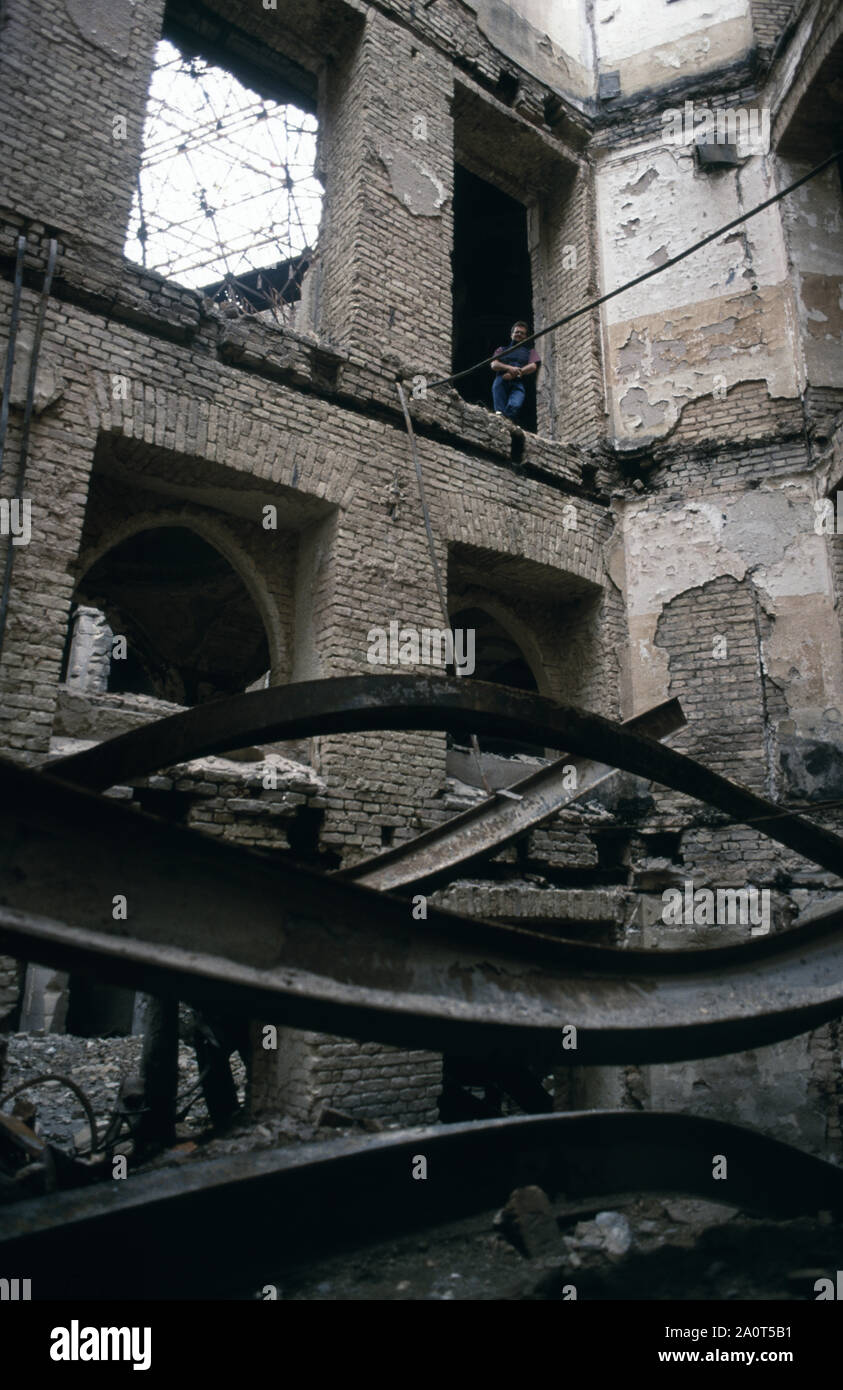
{"points": [[36, 351], [10, 351], [440, 588], [27, 422]]}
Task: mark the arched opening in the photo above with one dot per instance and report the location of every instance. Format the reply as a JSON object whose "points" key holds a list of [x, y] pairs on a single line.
{"points": [[499, 659], [165, 614]]}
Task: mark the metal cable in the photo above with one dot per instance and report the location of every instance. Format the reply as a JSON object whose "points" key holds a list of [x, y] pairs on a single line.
{"points": [[656, 270], [71, 1086], [27, 423]]}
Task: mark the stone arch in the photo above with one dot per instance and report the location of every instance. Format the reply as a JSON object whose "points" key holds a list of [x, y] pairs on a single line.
{"points": [[515, 629], [217, 535], [189, 658]]}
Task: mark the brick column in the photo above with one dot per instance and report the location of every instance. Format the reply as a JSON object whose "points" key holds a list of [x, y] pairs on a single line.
{"points": [[386, 149], [70, 159], [55, 486]]}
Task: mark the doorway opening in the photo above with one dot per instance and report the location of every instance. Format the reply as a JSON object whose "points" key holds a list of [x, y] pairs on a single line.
{"points": [[492, 283]]}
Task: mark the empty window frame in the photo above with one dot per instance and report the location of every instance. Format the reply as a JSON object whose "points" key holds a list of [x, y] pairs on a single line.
{"points": [[227, 200]]}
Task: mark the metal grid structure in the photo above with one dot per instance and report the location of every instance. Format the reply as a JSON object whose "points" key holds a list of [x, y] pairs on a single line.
{"points": [[226, 186]]}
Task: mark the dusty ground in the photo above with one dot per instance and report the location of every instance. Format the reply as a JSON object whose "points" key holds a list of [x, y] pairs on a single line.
{"points": [[624, 1247], [679, 1249], [97, 1065]]}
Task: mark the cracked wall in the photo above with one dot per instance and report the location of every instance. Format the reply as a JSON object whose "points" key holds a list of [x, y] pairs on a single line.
{"points": [[763, 536], [650, 51], [221, 419], [722, 316]]}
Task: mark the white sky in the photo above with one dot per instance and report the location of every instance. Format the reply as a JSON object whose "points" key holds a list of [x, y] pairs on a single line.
{"points": [[213, 146]]}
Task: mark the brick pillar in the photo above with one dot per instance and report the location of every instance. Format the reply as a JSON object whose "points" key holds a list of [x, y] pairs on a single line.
{"points": [[386, 150], [58, 467], [68, 160]]}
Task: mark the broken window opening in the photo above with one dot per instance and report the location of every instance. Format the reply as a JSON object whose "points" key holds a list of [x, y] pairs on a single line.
{"points": [[492, 284], [164, 614], [227, 201], [499, 659]]}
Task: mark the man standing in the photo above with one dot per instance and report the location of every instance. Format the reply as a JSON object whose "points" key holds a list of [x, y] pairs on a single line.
{"points": [[511, 365]]}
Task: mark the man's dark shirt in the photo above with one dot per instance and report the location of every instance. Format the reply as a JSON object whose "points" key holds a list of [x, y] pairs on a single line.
{"points": [[516, 355]]}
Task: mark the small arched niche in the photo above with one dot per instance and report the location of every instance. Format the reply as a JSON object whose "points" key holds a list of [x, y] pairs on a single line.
{"points": [[191, 629]]}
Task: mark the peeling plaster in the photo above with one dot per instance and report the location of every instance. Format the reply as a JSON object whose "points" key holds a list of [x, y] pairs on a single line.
{"points": [[667, 354], [664, 363], [724, 316], [692, 53], [641, 184], [416, 187], [640, 412], [630, 355], [684, 38], [766, 536]]}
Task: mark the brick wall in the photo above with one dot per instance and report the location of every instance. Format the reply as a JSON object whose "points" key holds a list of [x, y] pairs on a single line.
{"points": [[722, 697], [769, 20], [223, 418], [218, 420]]}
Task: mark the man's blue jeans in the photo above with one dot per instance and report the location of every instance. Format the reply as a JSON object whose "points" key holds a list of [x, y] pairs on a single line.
{"points": [[508, 396]]}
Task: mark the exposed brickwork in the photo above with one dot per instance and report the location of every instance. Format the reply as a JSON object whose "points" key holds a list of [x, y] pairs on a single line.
{"points": [[222, 419], [721, 697], [769, 20], [745, 412]]}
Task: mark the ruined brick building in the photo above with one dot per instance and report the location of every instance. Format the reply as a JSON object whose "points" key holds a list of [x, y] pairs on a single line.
{"points": [[233, 494]]}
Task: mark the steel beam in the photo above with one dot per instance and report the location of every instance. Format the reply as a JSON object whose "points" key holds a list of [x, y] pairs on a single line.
{"points": [[493, 823], [228, 1226], [350, 704], [220, 925]]}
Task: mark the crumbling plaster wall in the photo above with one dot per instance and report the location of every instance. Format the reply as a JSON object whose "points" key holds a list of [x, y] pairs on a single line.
{"points": [[722, 316], [764, 536], [649, 43], [552, 41]]}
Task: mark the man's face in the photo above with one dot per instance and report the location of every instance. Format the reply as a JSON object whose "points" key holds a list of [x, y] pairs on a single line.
{"points": [[518, 332]]}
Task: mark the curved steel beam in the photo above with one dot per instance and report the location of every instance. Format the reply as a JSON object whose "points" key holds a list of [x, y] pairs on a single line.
{"points": [[351, 704], [218, 924], [267, 1209]]}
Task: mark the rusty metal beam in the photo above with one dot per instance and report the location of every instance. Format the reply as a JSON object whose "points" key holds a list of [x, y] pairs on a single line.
{"points": [[226, 1227], [217, 924], [493, 823], [350, 704]]}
